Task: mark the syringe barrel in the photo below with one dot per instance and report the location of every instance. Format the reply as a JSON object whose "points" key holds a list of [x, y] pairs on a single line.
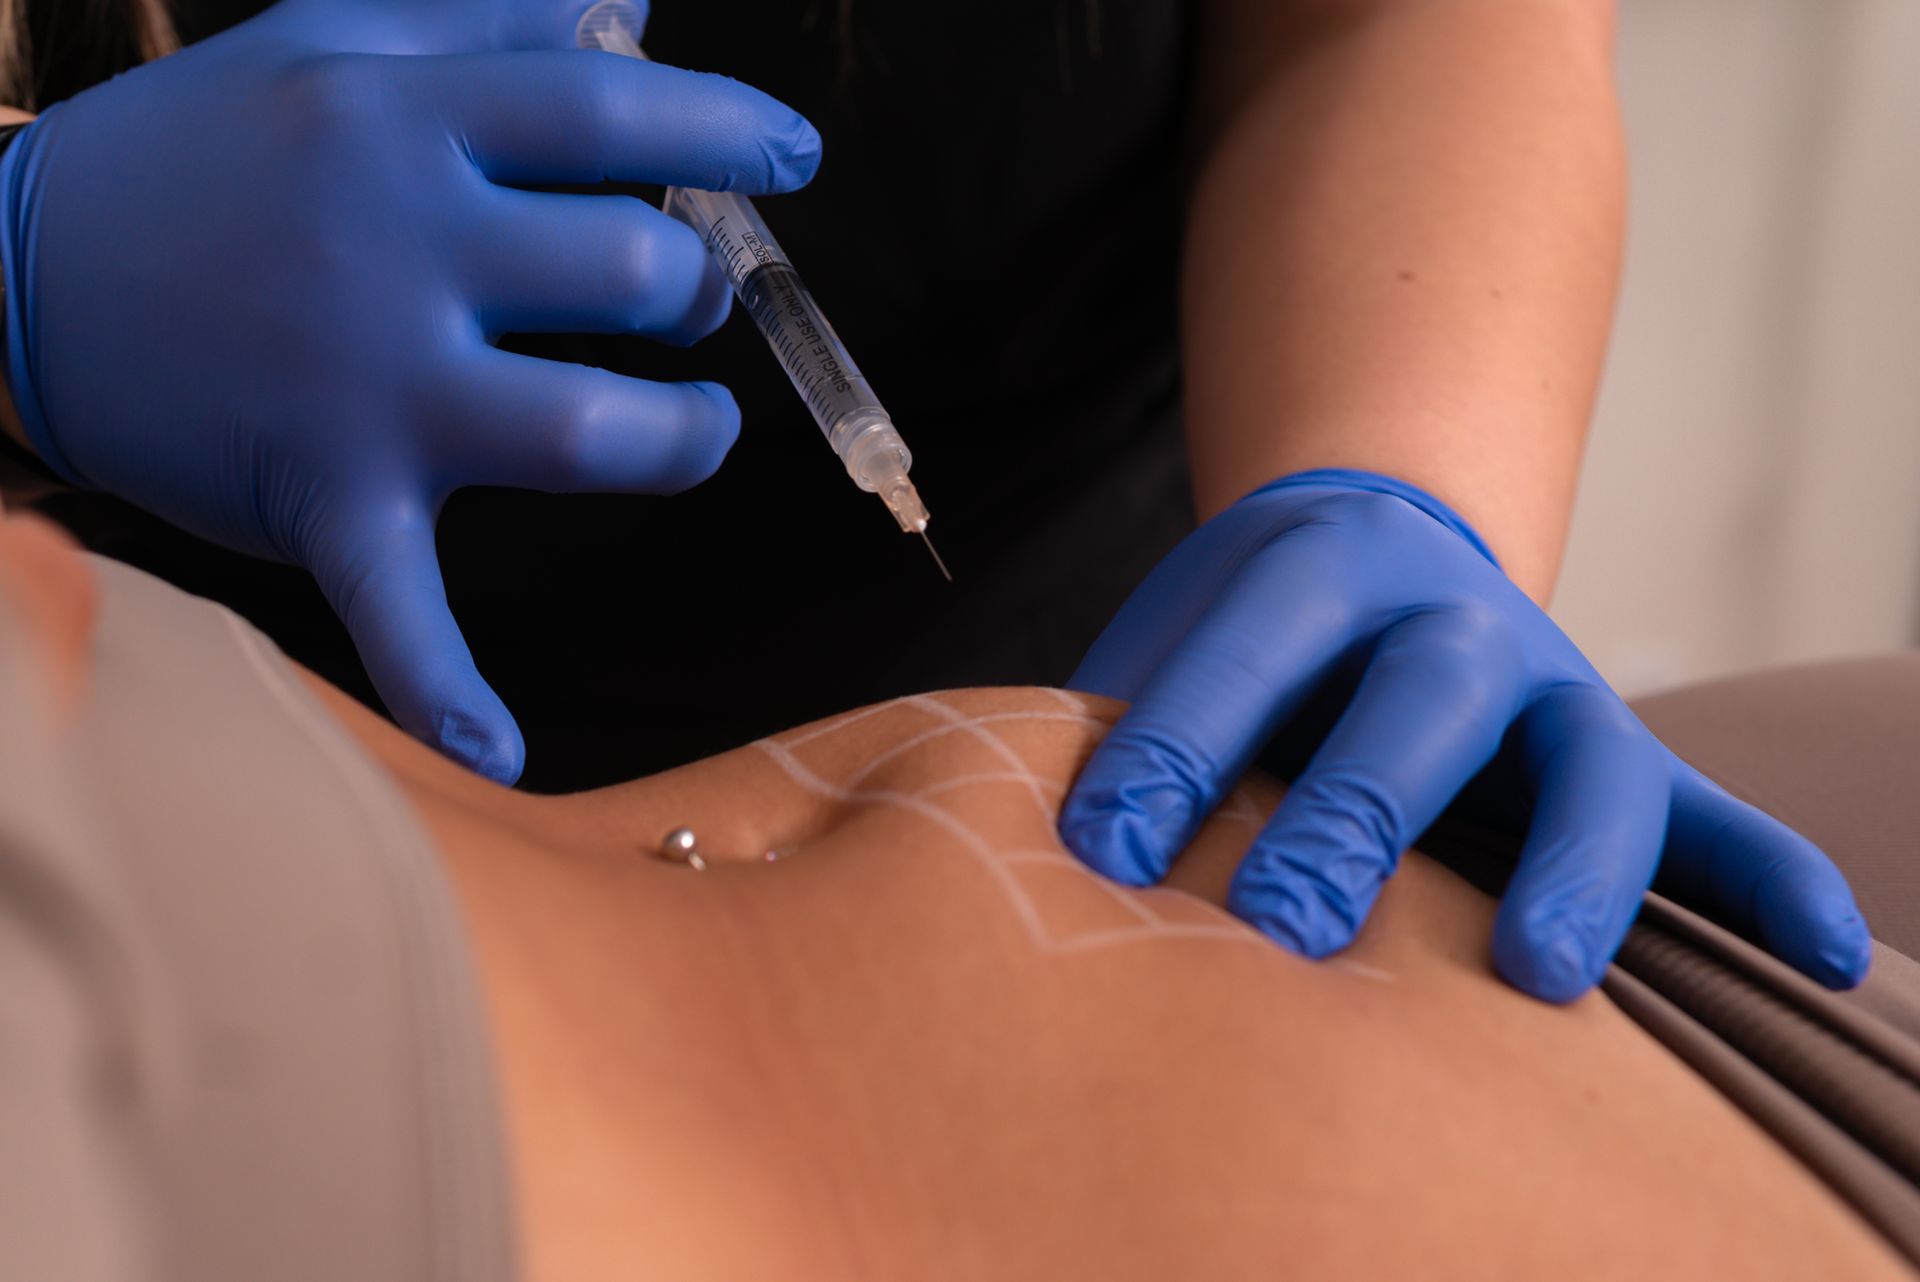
{"points": [[836, 394], [841, 402]]}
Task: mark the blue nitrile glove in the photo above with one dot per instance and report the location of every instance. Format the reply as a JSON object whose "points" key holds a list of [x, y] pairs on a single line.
{"points": [[252, 288], [1461, 675]]}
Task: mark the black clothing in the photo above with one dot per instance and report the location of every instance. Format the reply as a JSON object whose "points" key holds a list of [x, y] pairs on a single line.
{"points": [[994, 232], [72, 45]]}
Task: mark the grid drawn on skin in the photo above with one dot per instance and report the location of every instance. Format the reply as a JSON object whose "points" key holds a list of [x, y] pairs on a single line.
{"points": [[1000, 866], [1240, 807]]}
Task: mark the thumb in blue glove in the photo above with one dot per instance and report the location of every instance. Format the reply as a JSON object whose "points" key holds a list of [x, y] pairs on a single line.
{"points": [[254, 288], [1463, 680]]}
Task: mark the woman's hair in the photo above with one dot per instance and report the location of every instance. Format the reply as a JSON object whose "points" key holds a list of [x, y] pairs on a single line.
{"points": [[52, 49]]}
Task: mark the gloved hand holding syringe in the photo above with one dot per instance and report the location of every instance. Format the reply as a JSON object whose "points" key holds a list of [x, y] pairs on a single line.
{"points": [[839, 397]]}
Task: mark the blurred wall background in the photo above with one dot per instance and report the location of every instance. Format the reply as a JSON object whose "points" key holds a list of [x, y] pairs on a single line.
{"points": [[1752, 493]]}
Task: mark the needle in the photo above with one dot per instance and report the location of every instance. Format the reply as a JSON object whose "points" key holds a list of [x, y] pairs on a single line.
{"points": [[936, 557]]}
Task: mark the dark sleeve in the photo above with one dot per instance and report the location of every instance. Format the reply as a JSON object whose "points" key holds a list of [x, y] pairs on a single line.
{"points": [[198, 19]]}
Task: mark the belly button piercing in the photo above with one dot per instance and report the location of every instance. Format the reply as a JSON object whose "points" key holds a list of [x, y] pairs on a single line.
{"points": [[678, 847], [681, 847]]}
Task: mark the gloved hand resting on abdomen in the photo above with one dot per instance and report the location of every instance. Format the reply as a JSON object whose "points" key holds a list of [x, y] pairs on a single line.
{"points": [[1466, 681]]}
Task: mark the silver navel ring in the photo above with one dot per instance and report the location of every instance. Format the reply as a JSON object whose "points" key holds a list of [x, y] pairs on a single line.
{"points": [[678, 847]]}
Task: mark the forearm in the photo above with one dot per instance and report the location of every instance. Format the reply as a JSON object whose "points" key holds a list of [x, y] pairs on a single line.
{"points": [[1403, 249]]}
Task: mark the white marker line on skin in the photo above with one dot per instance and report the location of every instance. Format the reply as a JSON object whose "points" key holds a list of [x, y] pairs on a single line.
{"points": [[970, 840], [1363, 970], [1240, 809], [1224, 919], [998, 867], [1140, 907], [966, 727], [838, 723], [994, 744], [1056, 859], [991, 776], [1163, 930], [1001, 866], [1067, 699]]}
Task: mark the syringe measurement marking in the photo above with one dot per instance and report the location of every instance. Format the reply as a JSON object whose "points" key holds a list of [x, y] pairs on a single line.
{"points": [[779, 301], [816, 362], [795, 328]]}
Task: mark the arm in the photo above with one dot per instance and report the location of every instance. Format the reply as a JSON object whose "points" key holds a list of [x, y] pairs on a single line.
{"points": [[1403, 249]]}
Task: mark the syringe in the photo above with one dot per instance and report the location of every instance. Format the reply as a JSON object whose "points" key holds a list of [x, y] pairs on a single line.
{"points": [[839, 397]]}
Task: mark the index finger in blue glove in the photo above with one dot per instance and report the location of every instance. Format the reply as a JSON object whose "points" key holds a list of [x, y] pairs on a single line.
{"points": [[1745, 868], [383, 580], [571, 429], [1203, 714], [1599, 813], [540, 118], [1438, 694], [438, 26], [1155, 619]]}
